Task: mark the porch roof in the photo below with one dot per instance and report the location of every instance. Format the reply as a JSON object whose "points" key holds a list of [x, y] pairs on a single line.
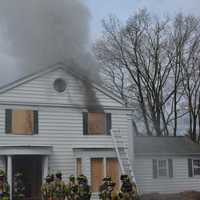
{"points": [[180, 145], [26, 150]]}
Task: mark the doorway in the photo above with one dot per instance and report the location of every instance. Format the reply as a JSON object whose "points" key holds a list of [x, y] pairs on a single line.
{"points": [[31, 168]]}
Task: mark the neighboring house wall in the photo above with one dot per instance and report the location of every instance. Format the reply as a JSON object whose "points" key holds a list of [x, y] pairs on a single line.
{"points": [[178, 183]]}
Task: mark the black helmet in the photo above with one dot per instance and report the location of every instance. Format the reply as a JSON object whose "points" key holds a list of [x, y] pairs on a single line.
{"points": [[72, 178], [82, 178], [48, 178], [52, 177], [107, 178], [124, 177], [58, 175]]}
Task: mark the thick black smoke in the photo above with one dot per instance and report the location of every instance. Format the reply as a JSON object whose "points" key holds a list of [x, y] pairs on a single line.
{"points": [[40, 33]]}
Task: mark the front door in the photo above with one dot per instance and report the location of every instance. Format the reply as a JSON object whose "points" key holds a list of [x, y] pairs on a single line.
{"points": [[31, 168]]}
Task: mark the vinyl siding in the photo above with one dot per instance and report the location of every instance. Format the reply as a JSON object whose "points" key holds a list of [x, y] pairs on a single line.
{"points": [[179, 183], [60, 121], [63, 130], [41, 90]]}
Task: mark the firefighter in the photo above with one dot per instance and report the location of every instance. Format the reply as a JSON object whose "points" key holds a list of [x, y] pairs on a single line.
{"points": [[103, 186], [112, 195], [128, 190], [52, 178], [83, 188], [108, 192], [59, 187], [4, 187], [72, 189], [47, 189], [18, 187]]}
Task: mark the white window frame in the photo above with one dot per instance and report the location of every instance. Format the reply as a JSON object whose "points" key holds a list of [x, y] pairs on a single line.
{"points": [[166, 167], [193, 167]]}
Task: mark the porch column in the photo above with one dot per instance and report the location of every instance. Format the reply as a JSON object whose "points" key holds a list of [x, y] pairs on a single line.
{"points": [[9, 174], [45, 167]]}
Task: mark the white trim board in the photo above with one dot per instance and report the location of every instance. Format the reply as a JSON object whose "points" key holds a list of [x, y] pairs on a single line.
{"points": [[26, 150]]}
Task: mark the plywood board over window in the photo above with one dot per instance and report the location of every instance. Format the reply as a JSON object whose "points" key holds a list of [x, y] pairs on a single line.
{"points": [[97, 171], [96, 123], [22, 122], [112, 169]]}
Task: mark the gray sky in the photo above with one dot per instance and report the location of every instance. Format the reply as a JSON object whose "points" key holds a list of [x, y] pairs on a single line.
{"points": [[77, 16], [124, 8]]}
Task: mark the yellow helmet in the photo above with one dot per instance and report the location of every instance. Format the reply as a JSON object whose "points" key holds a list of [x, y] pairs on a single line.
{"points": [[2, 173]]}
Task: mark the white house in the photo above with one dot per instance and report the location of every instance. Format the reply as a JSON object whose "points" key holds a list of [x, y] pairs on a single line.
{"points": [[166, 164], [47, 124], [56, 120]]}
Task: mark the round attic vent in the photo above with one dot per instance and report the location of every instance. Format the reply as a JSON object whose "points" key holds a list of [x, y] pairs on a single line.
{"points": [[60, 85]]}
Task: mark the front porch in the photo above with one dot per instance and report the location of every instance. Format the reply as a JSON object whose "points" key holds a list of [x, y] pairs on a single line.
{"points": [[32, 161]]}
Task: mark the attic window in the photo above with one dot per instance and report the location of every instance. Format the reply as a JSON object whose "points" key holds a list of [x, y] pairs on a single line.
{"points": [[60, 85]]}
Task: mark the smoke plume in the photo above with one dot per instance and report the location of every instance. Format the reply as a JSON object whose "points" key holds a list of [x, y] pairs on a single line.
{"points": [[40, 33]]}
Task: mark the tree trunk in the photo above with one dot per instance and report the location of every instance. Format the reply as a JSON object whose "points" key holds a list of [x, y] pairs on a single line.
{"points": [[194, 133]]}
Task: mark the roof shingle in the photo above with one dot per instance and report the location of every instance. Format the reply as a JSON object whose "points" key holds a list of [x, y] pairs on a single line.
{"points": [[145, 145]]}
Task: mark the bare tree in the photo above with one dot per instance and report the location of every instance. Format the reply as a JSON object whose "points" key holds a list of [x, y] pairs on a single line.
{"points": [[187, 60], [149, 63], [138, 50]]}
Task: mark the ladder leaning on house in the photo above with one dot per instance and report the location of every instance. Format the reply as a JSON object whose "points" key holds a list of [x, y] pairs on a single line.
{"points": [[122, 155]]}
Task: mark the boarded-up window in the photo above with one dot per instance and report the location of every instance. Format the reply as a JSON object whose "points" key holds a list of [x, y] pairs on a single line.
{"points": [[21, 122], [97, 173], [96, 123], [78, 166], [112, 169]]}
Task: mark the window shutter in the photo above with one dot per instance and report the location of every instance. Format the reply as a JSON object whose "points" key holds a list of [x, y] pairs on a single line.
{"points": [[108, 123], [8, 121], [85, 123], [190, 172], [35, 121], [170, 166], [155, 169]]}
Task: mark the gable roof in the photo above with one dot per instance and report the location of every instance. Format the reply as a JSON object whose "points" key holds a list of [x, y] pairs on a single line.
{"points": [[65, 68], [145, 145]]}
